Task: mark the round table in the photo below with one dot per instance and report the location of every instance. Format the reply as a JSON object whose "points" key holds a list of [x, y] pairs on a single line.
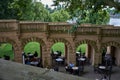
{"points": [[102, 67], [81, 59], [59, 59], [75, 68]]}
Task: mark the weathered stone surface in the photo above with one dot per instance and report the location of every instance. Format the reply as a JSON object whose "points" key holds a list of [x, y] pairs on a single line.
{"points": [[16, 71]]}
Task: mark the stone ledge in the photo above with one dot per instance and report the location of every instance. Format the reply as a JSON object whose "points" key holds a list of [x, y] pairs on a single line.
{"points": [[16, 71]]}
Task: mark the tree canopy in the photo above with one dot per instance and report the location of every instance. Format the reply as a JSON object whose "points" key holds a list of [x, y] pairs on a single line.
{"points": [[89, 11], [86, 4], [5, 11], [60, 16]]}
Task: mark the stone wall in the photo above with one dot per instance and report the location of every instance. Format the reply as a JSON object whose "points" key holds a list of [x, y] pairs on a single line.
{"points": [[19, 33]]}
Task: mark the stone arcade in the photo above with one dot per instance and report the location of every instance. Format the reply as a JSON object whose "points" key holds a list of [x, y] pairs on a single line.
{"points": [[19, 33]]}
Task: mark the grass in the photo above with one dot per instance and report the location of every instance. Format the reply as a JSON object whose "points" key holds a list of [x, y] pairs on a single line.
{"points": [[82, 47], [31, 47], [58, 47], [6, 49]]}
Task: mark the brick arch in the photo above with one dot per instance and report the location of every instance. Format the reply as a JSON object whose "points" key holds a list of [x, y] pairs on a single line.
{"points": [[110, 43], [32, 39], [8, 40], [86, 41], [67, 43]]}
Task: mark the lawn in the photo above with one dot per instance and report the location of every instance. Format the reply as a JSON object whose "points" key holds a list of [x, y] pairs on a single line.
{"points": [[6, 49], [31, 47], [58, 47], [82, 47]]}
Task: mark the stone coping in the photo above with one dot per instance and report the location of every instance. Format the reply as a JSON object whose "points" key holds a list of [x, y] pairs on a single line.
{"points": [[16, 71]]}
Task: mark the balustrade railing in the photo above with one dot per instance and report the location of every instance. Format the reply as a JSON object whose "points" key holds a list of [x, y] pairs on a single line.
{"points": [[8, 26], [87, 30], [59, 28], [111, 32], [33, 27]]}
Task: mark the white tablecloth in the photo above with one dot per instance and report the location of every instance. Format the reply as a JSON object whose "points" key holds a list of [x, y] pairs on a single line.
{"points": [[59, 59]]}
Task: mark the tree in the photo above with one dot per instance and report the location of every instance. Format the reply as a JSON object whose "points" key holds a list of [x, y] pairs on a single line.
{"points": [[30, 10], [60, 16], [88, 16], [5, 11], [85, 4], [88, 11], [23, 9], [40, 12]]}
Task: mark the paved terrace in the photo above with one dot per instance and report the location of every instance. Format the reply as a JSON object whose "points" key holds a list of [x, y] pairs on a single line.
{"points": [[16, 71]]}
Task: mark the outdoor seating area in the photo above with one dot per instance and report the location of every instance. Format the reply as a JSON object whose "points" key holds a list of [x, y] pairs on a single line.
{"points": [[57, 58], [32, 59], [77, 69], [105, 69]]}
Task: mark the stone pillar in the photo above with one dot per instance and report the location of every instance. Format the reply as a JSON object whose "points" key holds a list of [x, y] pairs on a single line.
{"points": [[71, 57], [98, 54], [46, 58], [117, 56], [108, 50], [18, 54], [87, 51]]}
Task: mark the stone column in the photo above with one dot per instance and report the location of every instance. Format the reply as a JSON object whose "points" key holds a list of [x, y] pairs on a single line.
{"points": [[71, 56], [18, 54], [87, 51], [46, 58], [108, 50]]}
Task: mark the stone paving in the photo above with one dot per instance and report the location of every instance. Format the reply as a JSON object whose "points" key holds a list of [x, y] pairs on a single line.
{"points": [[90, 74], [16, 71]]}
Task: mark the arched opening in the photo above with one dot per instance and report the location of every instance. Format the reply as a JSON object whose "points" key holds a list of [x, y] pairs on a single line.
{"points": [[33, 54], [58, 54], [114, 53], [80, 54], [85, 53], [6, 51]]}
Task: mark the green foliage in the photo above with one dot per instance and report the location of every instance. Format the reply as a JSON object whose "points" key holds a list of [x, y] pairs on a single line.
{"points": [[6, 49], [5, 11], [89, 16], [24, 10], [40, 13], [31, 47], [60, 16], [86, 4], [58, 47], [82, 47]]}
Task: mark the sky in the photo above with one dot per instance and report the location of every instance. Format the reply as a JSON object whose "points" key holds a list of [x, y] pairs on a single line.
{"points": [[114, 21], [48, 2]]}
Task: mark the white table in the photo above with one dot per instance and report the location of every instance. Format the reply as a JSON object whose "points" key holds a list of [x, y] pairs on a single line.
{"points": [[77, 52], [81, 59], [34, 63], [75, 68], [55, 52], [59, 59], [102, 67]]}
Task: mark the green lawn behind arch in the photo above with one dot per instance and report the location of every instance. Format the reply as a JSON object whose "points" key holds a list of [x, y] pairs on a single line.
{"points": [[6, 48]]}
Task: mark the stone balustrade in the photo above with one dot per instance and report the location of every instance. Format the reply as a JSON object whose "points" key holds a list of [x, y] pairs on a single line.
{"points": [[8, 25], [87, 30], [32, 27], [29, 26]]}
